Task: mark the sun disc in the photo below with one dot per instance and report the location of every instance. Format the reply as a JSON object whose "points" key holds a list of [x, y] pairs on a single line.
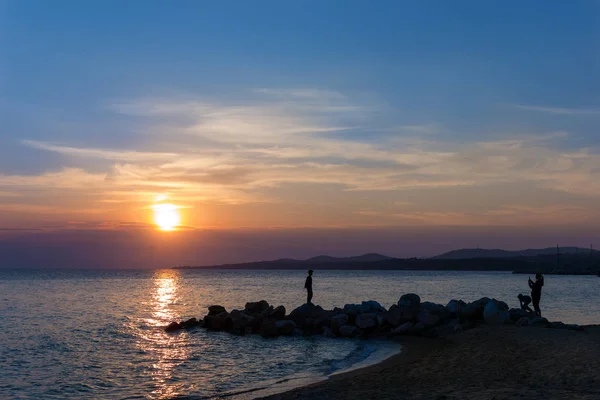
{"points": [[166, 216]]}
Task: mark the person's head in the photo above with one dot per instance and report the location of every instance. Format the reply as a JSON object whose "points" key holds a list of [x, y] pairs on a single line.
{"points": [[538, 276], [310, 271]]}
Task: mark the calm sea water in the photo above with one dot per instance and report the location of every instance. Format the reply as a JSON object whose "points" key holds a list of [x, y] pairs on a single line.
{"points": [[98, 334]]}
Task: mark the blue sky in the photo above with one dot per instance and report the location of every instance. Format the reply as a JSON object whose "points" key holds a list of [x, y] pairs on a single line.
{"points": [[295, 113]]}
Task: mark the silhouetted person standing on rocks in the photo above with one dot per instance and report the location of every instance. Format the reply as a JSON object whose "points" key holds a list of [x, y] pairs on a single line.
{"points": [[525, 302], [536, 292], [308, 287]]}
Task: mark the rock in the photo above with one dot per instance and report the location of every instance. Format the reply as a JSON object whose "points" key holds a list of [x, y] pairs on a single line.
{"points": [[574, 327], [523, 321], [218, 322], [190, 323], [397, 315], [454, 306], [409, 300], [518, 313], [216, 310], [298, 332], [256, 307], [428, 319], [408, 308], [403, 329], [337, 322], [496, 313], [348, 331], [302, 314], [240, 320], [268, 328], [540, 322], [435, 309], [473, 311], [372, 306], [352, 310], [285, 327], [366, 321], [277, 313], [172, 327]]}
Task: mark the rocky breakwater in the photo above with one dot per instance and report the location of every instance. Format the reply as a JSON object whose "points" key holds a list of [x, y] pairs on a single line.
{"points": [[409, 316]]}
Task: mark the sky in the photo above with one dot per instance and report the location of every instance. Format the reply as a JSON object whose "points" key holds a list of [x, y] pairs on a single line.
{"points": [[298, 127]]}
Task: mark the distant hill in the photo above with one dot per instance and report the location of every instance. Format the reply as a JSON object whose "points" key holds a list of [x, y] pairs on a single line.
{"points": [[465, 254], [370, 257]]}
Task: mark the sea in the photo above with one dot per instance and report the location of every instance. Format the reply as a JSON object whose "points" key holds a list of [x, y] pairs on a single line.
{"points": [[82, 334]]}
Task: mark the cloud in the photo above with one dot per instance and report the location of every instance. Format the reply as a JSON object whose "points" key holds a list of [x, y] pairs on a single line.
{"points": [[114, 155], [560, 110], [266, 148]]}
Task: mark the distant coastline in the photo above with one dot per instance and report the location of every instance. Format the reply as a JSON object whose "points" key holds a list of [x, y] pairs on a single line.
{"points": [[561, 261]]}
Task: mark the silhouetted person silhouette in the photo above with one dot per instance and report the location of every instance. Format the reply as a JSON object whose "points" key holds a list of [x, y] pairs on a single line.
{"points": [[308, 287], [536, 292], [525, 302]]}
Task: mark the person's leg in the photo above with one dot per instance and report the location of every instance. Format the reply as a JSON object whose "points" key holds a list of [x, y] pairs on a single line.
{"points": [[309, 296], [536, 306]]}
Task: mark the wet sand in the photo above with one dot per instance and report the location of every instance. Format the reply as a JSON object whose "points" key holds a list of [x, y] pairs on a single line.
{"points": [[497, 363]]}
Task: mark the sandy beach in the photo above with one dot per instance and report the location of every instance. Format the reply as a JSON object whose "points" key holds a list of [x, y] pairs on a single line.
{"points": [[507, 362]]}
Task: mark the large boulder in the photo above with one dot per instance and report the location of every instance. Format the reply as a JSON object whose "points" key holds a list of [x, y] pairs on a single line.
{"points": [[428, 319], [257, 307], [348, 331], [285, 327], [352, 310], [518, 313], [454, 306], [218, 322], [473, 311], [409, 306], [418, 328], [496, 313], [436, 309], [216, 310], [240, 320], [397, 315], [523, 321], [409, 300], [268, 328], [305, 312], [366, 321], [277, 313], [337, 322], [372, 306]]}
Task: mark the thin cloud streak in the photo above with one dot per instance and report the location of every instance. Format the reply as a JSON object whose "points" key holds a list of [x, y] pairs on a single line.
{"points": [[560, 110]]}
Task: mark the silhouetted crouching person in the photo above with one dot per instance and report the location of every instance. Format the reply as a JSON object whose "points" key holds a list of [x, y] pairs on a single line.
{"points": [[308, 287], [536, 292], [525, 302]]}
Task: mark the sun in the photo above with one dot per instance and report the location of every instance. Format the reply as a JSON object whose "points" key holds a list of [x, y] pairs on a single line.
{"points": [[166, 216]]}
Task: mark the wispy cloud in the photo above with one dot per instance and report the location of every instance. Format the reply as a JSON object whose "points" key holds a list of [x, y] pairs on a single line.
{"points": [[560, 110], [114, 155], [245, 152]]}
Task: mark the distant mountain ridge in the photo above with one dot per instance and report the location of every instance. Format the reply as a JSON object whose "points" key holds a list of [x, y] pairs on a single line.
{"points": [[464, 254]]}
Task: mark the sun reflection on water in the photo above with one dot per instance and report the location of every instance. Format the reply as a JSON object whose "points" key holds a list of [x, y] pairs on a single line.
{"points": [[165, 351]]}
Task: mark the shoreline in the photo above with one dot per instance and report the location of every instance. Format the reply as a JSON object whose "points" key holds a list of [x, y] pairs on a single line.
{"points": [[383, 353], [482, 363]]}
